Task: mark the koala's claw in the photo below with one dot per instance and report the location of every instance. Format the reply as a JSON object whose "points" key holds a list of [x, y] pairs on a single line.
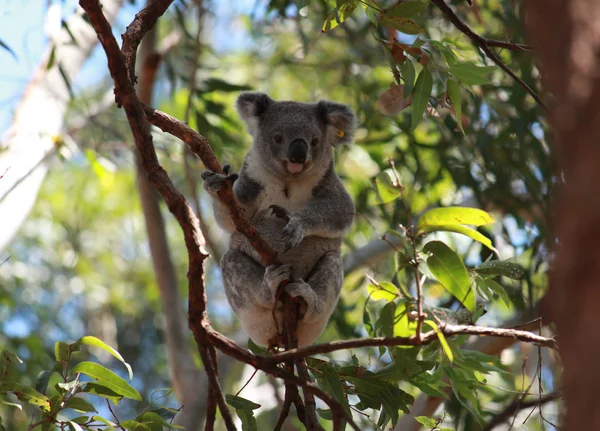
{"points": [[275, 274], [292, 234], [280, 212], [213, 181]]}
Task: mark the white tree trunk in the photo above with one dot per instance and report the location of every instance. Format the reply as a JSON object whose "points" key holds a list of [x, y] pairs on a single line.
{"points": [[29, 146]]}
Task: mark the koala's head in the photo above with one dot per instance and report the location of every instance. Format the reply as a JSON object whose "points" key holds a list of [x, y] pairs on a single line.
{"points": [[292, 138]]}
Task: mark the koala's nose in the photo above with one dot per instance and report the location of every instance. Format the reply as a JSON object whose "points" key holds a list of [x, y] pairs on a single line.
{"points": [[298, 151]]}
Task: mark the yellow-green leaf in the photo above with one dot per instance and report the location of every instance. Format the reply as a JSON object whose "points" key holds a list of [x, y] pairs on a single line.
{"points": [[454, 216], [442, 339], [450, 270], [385, 290], [27, 394], [107, 378], [464, 230], [96, 342], [453, 89]]}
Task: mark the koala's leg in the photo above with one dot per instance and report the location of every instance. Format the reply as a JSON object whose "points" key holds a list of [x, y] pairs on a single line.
{"points": [[250, 290], [321, 292]]}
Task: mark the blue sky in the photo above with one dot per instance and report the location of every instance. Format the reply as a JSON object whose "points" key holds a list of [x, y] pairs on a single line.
{"points": [[22, 28]]}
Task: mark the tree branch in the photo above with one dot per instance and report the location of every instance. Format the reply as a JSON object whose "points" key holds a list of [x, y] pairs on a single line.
{"points": [[516, 406], [177, 204], [483, 44], [426, 338]]}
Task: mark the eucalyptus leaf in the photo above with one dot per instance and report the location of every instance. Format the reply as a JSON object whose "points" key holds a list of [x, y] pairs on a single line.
{"points": [[420, 96]]}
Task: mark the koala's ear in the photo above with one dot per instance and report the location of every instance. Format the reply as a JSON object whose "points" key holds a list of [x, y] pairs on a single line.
{"points": [[340, 121], [251, 106]]}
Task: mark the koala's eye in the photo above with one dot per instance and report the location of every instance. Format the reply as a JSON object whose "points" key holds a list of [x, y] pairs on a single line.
{"points": [[278, 138], [314, 142]]}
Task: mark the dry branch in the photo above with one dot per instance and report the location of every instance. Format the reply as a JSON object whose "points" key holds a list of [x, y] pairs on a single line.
{"points": [[484, 45]]}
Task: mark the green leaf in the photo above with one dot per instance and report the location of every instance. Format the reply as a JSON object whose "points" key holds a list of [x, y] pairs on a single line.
{"points": [[79, 404], [74, 426], [241, 403], [407, 9], [496, 288], [385, 290], [96, 342], [405, 26], [8, 403], [443, 342], [403, 326], [106, 422], [325, 414], [248, 420], [449, 269], [102, 391], [330, 382], [420, 96], [454, 216], [216, 84], [385, 323], [338, 15], [155, 421], [27, 394], [61, 351], [52, 58], [470, 74], [387, 187], [66, 80], [107, 378], [501, 267], [427, 422], [41, 381], [455, 97], [408, 74], [463, 230], [132, 425]]}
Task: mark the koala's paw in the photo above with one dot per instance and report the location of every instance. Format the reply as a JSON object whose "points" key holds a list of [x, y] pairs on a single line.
{"points": [[279, 212], [275, 274], [213, 181], [292, 234], [302, 290]]}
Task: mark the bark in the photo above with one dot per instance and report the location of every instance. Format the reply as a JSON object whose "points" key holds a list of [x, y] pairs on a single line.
{"points": [[186, 377], [31, 142], [567, 40]]}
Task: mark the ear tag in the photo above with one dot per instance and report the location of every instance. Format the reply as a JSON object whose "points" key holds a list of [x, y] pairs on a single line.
{"points": [[340, 133]]}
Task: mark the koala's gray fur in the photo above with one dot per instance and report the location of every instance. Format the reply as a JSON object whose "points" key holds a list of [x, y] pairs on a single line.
{"points": [[290, 165], [314, 269]]}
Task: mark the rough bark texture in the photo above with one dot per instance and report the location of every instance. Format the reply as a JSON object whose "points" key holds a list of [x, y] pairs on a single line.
{"points": [[566, 35]]}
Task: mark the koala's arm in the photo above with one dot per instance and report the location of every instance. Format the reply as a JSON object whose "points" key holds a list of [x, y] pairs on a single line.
{"points": [[246, 189], [328, 214]]}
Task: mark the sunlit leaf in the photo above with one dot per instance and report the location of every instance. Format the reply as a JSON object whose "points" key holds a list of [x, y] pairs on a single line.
{"points": [[449, 269], [442, 338], [339, 14], [385, 290], [74, 426], [420, 96], [96, 342], [27, 394], [107, 378], [464, 230], [102, 391], [454, 216], [61, 351], [387, 189], [427, 422]]}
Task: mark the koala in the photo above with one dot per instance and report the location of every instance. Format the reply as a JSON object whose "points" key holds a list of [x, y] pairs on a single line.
{"points": [[290, 192], [313, 268], [290, 165]]}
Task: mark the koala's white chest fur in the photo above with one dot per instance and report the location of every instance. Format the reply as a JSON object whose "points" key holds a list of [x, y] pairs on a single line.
{"points": [[292, 194]]}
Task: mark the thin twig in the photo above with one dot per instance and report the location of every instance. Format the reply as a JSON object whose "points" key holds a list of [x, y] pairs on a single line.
{"points": [[511, 46], [517, 405], [483, 45]]}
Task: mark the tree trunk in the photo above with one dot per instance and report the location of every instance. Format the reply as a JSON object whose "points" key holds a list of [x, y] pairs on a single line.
{"points": [[567, 40], [31, 141]]}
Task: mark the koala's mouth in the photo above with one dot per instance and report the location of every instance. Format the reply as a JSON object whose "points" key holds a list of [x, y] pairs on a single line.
{"points": [[294, 168]]}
